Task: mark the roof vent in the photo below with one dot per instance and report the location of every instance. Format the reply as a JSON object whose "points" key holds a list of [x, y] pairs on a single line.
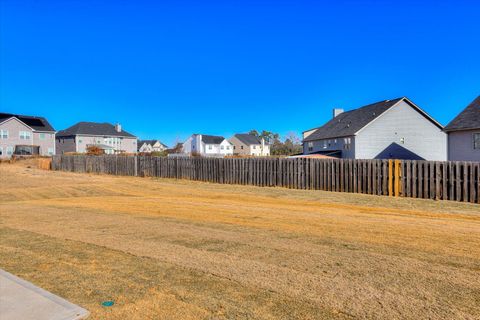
{"points": [[337, 111]]}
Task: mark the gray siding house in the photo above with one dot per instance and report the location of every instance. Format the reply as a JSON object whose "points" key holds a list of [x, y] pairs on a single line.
{"points": [[464, 134], [390, 129], [25, 135], [111, 138]]}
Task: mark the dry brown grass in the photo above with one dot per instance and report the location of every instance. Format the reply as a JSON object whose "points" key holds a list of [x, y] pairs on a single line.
{"points": [[188, 250]]}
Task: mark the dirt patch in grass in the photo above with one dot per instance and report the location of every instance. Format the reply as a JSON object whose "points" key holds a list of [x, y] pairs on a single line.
{"points": [[180, 249]]}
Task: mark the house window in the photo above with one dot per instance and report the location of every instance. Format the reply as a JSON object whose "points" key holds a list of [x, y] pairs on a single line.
{"points": [[50, 151], [241, 147], [25, 135], [324, 144], [210, 147], [254, 147], [222, 147], [42, 136], [3, 134], [310, 146], [9, 151], [476, 141], [1, 151], [347, 142], [228, 148]]}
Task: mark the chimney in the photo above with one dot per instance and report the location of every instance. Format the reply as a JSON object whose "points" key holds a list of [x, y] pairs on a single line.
{"points": [[118, 127], [337, 111]]}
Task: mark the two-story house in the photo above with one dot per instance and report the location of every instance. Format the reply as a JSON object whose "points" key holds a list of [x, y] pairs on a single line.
{"points": [[148, 146], [249, 144], [464, 134], [207, 145], [390, 129], [112, 139], [25, 135]]}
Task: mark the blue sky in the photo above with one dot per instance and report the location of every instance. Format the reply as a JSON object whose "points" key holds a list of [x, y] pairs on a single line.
{"points": [[166, 69]]}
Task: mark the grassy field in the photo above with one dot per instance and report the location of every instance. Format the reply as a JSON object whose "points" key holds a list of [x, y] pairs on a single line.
{"points": [[165, 249]]}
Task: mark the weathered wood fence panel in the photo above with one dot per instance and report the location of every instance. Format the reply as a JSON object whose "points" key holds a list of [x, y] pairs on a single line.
{"points": [[459, 181]]}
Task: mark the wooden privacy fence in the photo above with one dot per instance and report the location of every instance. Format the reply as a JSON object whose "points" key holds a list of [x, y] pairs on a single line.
{"points": [[459, 181]]}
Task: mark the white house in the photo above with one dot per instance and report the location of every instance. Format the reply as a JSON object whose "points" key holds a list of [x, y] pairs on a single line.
{"points": [[148, 146], [208, 146], [390, 129], [249, 144]]}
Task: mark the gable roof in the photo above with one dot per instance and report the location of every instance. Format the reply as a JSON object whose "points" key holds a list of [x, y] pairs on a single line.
{"points": [[207, 139], [350, 122], [36, 123], [248, 139], [468, 119], [150, 142], [94, 129]]}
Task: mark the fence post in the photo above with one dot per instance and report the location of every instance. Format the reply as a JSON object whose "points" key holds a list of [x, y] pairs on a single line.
{"points": [[390, 177], [397, 178], [135, 169]]}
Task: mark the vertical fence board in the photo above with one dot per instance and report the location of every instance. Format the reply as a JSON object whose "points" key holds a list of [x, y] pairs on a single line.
{"points": [[417, 179]]}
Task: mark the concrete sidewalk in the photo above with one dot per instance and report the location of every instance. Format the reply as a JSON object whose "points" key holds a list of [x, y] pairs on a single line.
{"points": [[20, 299]]}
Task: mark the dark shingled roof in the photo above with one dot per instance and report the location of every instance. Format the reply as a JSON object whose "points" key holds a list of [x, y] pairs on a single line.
{"points": [[349, 122], [212, 139], [36, 123], [248, 139], [468, 119], [93, 128]]}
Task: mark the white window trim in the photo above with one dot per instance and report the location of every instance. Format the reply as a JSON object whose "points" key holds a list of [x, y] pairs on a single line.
{"points": [[4, 132], [25, 135]]}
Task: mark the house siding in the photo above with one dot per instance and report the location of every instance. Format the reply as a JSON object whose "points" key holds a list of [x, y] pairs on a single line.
{"points": [[401, 132], [330, 145], [250, 150], [45, 143], [65, 145], [129, 145], [460, 146], [14, 126], [80, 143]]}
